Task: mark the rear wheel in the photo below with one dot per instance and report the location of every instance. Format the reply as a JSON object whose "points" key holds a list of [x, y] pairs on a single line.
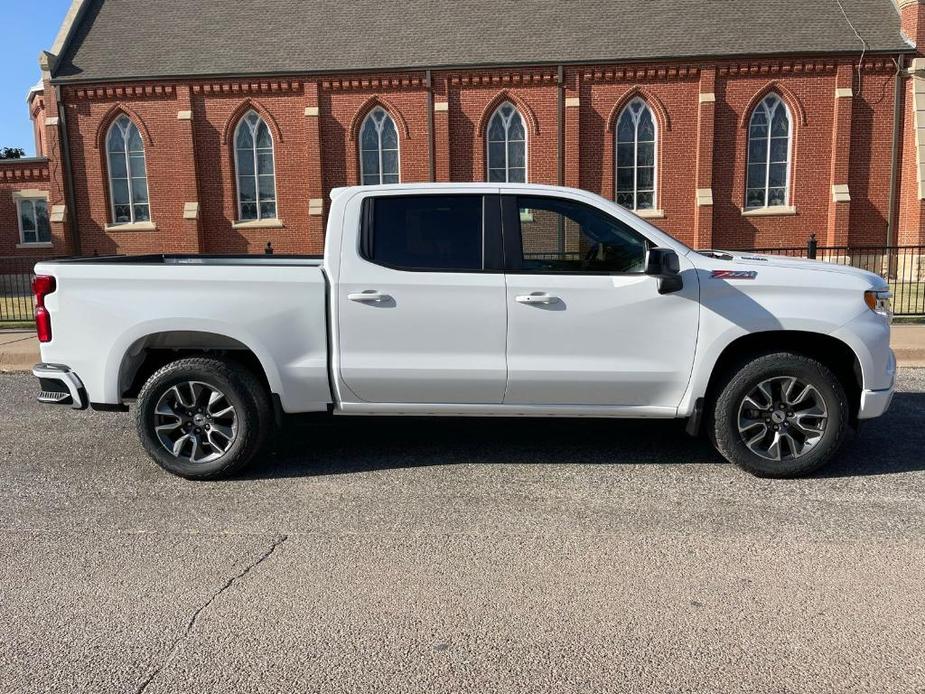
{"points": [[780, 415], [202, 418]]}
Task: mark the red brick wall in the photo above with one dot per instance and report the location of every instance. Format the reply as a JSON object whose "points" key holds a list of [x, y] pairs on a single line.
{"points": [[216, 112], [17, 175], [871, 149], [190, 161], [674, 102], [810, 185], [474, 96], [155, 114]]}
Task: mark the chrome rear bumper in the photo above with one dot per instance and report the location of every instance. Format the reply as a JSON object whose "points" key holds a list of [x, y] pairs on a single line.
{"points": [[59, 386]]}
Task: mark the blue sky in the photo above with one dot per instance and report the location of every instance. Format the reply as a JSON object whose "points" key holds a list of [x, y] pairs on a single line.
{"points": [[29, 27]]}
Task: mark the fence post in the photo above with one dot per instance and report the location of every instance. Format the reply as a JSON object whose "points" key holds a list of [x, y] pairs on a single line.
{"points": [[811, 247]]}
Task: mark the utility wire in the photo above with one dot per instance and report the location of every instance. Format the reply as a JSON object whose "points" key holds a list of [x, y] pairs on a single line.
{"points": [[860, 38]]}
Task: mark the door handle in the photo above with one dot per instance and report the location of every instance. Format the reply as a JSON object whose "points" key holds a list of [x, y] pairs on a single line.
{"points": [[538, 298], [369, 296]]}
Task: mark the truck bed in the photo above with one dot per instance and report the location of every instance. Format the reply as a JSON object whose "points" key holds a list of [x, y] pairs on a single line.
{"points": [[273, 306]]}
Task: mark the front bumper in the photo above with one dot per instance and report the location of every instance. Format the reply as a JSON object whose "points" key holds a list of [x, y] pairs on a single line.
{"points": [[60, 386], [876, 402]]}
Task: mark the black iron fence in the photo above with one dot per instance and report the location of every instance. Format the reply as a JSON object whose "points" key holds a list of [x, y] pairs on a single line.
{"points": [[16, 289], [903, 267]]}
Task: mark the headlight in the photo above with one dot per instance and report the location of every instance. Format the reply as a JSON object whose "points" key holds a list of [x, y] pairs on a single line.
{"points": [[878, 301]]}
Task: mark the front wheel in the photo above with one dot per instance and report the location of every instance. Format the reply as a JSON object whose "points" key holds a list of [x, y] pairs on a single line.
{"points": [[202, 418], [780, 415]]}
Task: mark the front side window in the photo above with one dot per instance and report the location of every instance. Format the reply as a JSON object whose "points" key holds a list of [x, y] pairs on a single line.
{"points": [[128, 178], [636, 156], [33, 220], [507, 146], [379, 149], [769, 133], [565, 236], [256, 169], [425, 232]]}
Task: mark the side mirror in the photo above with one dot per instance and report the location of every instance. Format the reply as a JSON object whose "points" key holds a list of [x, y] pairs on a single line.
{"points": [[663, 263]]}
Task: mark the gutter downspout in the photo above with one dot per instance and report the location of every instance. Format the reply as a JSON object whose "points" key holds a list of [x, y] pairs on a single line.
{"points": [[898, 108], [68, 173], [431, 155], [560, 78]]}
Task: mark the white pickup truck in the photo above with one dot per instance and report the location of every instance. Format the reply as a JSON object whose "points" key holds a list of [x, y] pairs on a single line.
{"points": [[471, 300]]}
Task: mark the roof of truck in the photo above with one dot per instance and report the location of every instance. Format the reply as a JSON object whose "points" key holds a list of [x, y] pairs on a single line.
{"points": [[107, 40]]}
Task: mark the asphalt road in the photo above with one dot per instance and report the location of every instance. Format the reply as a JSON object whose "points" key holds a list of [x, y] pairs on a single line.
{"points": [[458, 556]]}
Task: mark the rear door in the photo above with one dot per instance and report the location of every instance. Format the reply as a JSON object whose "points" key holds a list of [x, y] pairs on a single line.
{"points": [[422, 316], [586, 326]]}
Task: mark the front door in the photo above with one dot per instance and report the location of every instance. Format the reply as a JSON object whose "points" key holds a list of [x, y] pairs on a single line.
{"points": [[585, 325], [421, 304]]}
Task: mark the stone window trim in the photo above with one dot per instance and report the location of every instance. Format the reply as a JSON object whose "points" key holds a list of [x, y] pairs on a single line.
{"points": [[509, 116], [30, 197], [251, 127], [771, 106], [370, 105], [775, 211], [379, 124], [133, 226], [123, 125], [526, 112], [267, 223], [636, 110]]}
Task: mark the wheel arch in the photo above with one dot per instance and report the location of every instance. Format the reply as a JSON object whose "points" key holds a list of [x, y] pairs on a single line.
{"points": [[149, 353], [834, 353]]}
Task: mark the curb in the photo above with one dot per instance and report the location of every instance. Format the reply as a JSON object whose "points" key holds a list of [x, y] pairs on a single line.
{"points": [[17, 363]]}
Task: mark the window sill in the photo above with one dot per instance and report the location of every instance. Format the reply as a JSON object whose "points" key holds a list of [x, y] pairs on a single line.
{"points": [[136, 226], [776, 211], [650, 214], [259, 224], [36, 244]]}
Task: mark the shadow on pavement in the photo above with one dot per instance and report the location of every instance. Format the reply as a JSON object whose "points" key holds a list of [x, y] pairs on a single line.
{"points": [[892, 444], [359, 444], [341, 445]]}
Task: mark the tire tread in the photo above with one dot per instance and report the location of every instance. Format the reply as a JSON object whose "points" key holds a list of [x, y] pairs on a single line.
{"points": [[724, 434], [243, 379]]}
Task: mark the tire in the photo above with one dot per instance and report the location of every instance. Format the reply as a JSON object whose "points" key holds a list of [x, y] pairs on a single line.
{"points": [[801, 428], [217, 441]]}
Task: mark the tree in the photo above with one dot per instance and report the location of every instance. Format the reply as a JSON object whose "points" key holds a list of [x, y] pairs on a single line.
{"points": [[12, 153]]}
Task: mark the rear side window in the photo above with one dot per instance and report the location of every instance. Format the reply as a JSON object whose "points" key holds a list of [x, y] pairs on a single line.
{"points": [[424, 232]]}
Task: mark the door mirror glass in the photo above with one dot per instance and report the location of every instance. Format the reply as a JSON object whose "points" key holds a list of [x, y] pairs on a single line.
{"points": [[664, 264]]}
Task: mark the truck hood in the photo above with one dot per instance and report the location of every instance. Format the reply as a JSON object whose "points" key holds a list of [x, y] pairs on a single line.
{"points": [[757, 261]]}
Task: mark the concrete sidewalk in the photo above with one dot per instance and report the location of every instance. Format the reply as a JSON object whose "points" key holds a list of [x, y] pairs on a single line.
{"points": [[909, 344], [19, 349]]}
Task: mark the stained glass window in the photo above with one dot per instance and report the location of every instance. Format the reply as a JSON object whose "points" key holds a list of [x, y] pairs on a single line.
{"points": [[769, 130]]}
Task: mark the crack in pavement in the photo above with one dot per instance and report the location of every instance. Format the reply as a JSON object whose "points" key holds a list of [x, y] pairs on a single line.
{"points": [[190, 625]]}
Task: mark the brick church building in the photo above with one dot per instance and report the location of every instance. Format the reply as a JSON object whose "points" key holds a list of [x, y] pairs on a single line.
{"points": [[215, 127]]}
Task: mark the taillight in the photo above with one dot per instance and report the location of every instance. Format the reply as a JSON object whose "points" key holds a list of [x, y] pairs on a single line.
{"points": [[42, 286]]}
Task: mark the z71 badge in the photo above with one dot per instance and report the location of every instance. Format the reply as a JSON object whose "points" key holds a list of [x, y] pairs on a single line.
{"points": [[734, 274]]}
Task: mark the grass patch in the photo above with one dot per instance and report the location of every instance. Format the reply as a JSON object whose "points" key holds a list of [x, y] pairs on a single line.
{"points": [[908, 297], [15, 308]]}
